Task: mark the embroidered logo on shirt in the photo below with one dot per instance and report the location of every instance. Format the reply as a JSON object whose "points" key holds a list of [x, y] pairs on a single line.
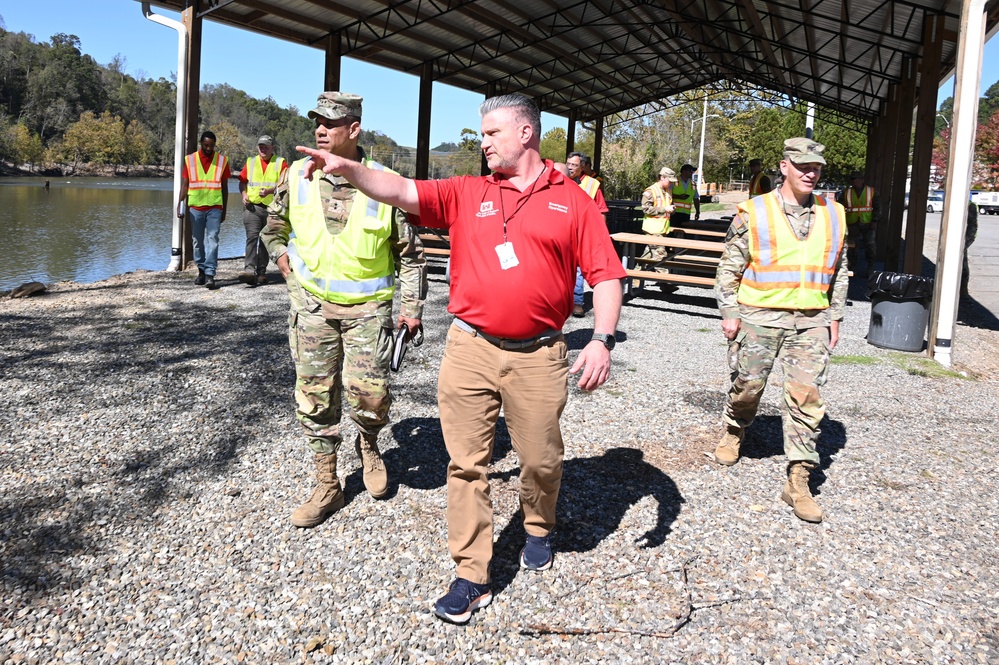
{"points": [[557, 207], [486, 209]]}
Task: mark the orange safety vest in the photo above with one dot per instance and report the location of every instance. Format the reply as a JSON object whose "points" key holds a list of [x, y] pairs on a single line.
{"points": [[859, 208], [785, 272], [754, 184]]}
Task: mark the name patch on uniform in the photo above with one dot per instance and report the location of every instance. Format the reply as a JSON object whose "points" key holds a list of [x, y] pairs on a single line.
{"points": [[486, 209], [557, 207]]}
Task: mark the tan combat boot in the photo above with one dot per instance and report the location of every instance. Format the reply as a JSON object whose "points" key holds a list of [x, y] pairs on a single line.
{"points": [[375, 476], [326, 499], [797, 495], [727, 452]]}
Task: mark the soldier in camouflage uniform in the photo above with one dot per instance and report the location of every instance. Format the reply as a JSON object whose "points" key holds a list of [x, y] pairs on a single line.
{"points": [[781, 287], [340, 271]]}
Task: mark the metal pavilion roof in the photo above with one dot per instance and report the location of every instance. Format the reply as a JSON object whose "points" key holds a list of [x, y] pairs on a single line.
{"points": [[599, 57]]}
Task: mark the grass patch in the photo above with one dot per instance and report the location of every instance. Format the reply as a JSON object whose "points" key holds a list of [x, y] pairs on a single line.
{"points": [[853, 360], [925, 367], [714, 207], [707, 330]]}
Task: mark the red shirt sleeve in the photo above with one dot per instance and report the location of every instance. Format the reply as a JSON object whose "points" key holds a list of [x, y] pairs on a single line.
{"points": [[437, 199], [601, 203], [243, 176]]}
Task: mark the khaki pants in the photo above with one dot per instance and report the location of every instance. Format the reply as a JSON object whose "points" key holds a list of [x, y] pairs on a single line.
{"points": [[531, 385]]}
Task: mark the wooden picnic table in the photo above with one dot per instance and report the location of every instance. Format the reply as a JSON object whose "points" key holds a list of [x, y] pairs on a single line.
{"points": [[678, 257]]}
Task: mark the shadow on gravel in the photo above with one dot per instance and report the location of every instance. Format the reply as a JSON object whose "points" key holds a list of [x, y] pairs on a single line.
{"points": [[653, 299], [765, 438], [421, 459], [596, 494], [148, 404]]}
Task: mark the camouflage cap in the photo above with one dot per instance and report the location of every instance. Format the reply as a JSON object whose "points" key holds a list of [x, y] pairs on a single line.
{"points": [[266, 139], [335, 105], [667, 171], [804, 151]]}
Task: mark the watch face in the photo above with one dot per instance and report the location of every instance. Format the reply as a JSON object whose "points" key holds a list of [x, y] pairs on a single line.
{"points": [[608, 340]]}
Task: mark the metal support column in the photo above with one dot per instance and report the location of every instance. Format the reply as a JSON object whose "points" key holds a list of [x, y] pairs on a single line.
{"points": [[570, 134], [423, 121], [331, 75], [192, 22], [900, 165], [598, 142]]}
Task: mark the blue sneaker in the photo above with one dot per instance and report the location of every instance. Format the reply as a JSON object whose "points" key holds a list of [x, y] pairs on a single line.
{"points": [[537, 553], [461, 600]]}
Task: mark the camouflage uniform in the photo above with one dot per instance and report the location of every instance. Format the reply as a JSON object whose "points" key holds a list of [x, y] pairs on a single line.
{"points": [[327, 338], [802, 334], [649, 207]]}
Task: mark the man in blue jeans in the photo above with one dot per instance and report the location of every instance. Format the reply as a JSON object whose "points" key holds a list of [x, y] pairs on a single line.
{"points": [[204, 186]]}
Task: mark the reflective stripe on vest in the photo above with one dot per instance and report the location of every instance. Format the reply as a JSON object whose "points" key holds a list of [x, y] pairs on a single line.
{"points": [[205, 188], [685, 203], [351, 267], [653, 224], [755, 189], [785, 272], [859, 209], [258, 178], [590, 185]]}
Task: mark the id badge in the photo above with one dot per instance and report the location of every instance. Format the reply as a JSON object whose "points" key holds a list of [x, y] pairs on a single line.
{"points": [[507, 257]]}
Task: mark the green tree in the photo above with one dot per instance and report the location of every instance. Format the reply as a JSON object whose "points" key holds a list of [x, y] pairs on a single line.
{"points": [[27, 147], [553, 144]]}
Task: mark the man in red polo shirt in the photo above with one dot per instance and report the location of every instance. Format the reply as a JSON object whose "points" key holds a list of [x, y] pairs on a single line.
{"points": [[516, 239]]}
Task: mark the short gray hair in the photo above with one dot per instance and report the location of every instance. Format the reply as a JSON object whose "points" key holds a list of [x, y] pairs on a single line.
{"points": [[524, 106], [583, 158]]}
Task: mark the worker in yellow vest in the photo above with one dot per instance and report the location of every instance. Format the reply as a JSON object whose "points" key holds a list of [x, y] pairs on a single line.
{"points": [[204, 190], [759, 182], [863, 212], [578, 163], [781, 287], [685, 198], [341, 269], [257, 183], [657, 204]]}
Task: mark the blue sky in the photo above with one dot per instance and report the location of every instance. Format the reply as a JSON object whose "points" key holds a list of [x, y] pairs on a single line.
{"points": [[291, 74]]}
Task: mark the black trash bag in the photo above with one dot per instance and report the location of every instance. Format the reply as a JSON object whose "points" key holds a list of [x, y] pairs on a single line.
{"points": [[899, 286]]}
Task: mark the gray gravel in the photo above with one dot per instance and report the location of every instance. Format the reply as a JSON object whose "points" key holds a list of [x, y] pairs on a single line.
{"points": [[150, 459]]}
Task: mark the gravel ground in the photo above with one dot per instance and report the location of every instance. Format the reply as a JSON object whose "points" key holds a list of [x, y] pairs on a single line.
{"points": [[150, 459]]}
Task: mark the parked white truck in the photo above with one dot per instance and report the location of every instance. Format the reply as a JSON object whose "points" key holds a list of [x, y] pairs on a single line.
{"points": [[987, 202]]}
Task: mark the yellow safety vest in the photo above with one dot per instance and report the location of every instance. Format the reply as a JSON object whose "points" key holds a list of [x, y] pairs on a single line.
{"points": [[205, 188], [661, 199], [754, 184], [258, 178], [590, 185], [785, 272], [685, 202], [351, 267], [859, 209]]}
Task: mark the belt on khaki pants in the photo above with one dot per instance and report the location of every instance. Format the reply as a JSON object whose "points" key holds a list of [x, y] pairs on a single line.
{"points": [[508, 344]]}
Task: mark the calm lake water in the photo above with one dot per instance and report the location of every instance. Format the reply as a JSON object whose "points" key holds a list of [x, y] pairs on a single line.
{"points": [[88, 229]]}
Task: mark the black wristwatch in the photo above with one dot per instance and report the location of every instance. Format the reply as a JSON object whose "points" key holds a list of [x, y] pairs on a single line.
{"points": [[605, 339]]}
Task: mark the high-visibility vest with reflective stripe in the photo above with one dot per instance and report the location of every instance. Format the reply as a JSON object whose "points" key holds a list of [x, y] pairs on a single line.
{"points": [[785, 272], [258, 178], [685, 203], [351, 267], [590, 186], [660, 199], [205, 188], [859, 208], [755, 189]]}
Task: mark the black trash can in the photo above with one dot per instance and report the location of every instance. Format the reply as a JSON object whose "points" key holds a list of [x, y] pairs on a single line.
{"points": [[900, 310]]}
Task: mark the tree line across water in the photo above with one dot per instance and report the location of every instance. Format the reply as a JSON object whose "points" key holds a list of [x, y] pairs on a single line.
{"points": [[62, 112]]}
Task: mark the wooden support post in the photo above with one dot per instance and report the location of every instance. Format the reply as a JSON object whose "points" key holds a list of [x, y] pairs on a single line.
{"points": [[423, 121], [922, 150], [900, 164], [598, 142]]}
